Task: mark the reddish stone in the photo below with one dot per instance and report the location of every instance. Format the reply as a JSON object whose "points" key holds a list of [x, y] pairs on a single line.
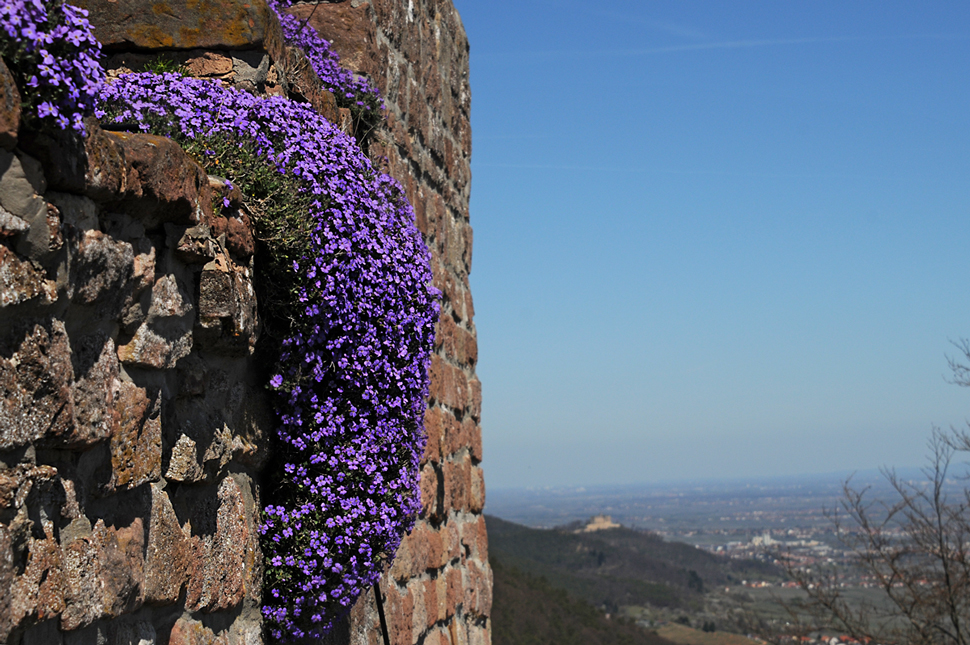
{"points": [[476, 494], [9, 109], [221, 564], [187, 631], [472, 433], [165, 557], [435, 432], [35, 386], [84, 588], [170, 187], [121, 566], [184, 24], [21, 281], [457, 473], [351, 31], [209, 64], [449, 385], [239, 234], [399, 611], [429, 492], [454, 591], [474, 538], [40, 591], [136, 444]]}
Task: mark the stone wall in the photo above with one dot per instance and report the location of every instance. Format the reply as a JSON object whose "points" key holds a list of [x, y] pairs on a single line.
{"points": [[132, 421], [439, 589], [133, 424]]}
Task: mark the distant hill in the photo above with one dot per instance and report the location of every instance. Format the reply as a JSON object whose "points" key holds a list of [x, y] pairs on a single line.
{"points": [[617, 567], [527, 610]]}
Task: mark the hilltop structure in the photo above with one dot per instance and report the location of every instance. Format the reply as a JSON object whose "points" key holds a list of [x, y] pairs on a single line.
{"points": [[135, 427]]}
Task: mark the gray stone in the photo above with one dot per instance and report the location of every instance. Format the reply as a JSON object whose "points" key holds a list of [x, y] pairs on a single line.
{"points": [[21, 181], [21, 281], [184, 464], [102, 269], [35, 386], [10, 224], [77, 211], [165, 336]]}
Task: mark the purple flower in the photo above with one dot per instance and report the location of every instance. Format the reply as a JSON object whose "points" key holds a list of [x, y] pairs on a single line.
{"points": [[352, 376], [51, 45]]}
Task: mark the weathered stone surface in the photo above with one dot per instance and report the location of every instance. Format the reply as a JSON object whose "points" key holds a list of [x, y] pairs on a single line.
{"points": [[228, 321], [21, 281], [21, 185], [165, 557], [93, 165], [183, 24], [121, 566], [187, 631], [222, 561], [165, 336], [239, 234], [136, 444], [168, 185], [84, 597], [184, 464], [101, 270], [351, 30], [9, 109], [35, 385], [96, 373]]}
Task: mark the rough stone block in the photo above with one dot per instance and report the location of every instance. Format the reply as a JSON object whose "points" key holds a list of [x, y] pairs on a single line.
{"points": [[228, 321], [21, 281], [96, 371], [351, 30], [476, 493], [449, 385], [101, 272], [184, 24], [165, 556], [136, 444], [22, 183], [84, 588], [121, 566], [474, 538], [222, 561], [35, 385], [165, 336], [430, 506], [170, 185], [457, 475], [478, 589]]}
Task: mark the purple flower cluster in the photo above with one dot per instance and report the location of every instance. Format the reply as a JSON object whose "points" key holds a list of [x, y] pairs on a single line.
{"points": [[353, 374], [349, 90], [50, 48]]}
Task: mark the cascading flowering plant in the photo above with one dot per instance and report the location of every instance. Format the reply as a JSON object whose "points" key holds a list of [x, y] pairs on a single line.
{"points": [[51, 50], [350, 91], [352, 377]]}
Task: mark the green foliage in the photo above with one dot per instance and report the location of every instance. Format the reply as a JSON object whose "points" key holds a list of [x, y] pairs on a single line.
{"points": [[616, 567], [528, 610], [281, 218], [163, 65]]}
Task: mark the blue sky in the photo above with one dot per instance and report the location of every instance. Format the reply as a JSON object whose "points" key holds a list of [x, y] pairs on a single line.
{"points": [[717, 239]]}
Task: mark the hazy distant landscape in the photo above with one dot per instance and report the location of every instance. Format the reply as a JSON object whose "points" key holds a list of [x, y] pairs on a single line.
{"points": [[695, 563]]}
